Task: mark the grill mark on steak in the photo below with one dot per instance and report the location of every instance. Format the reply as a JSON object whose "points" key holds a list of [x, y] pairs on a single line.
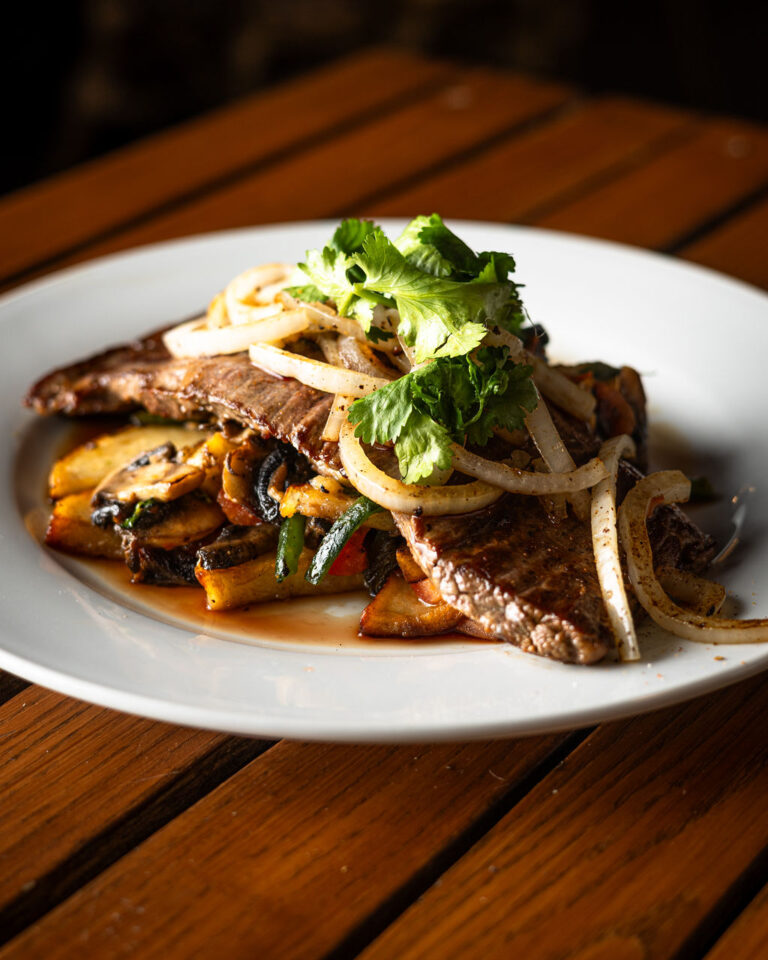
{"points": [[523, 577], [143, 374]]}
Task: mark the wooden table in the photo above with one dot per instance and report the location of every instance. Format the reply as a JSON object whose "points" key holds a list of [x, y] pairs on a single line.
{"points": [[646, 838]]}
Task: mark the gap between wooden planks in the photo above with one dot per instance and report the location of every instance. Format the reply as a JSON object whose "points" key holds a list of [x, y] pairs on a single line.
{"points": [[294, 851], [573, 175], [624, 852], [475, 107], [747, 939], [44, 220], [71, 773], [620, 851]]}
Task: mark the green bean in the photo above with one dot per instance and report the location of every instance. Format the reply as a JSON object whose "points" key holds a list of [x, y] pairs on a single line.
{"points": [[289, 546]]}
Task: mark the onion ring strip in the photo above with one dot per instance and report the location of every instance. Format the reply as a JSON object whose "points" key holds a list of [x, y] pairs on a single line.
{"points": [[392, 494], [195, 338], [514, 480], [336, 417], [605, 543], [314, 373], [553, 384], [671, 486]]}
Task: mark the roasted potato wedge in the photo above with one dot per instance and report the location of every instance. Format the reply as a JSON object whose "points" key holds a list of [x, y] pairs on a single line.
{"points": [[87, 465], [410, 570], [70, 529], [396, 611], [426, 591], [254, 582]]}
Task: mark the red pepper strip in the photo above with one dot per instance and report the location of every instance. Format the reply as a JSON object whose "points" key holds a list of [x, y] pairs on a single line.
{"points": [[353, 558]]}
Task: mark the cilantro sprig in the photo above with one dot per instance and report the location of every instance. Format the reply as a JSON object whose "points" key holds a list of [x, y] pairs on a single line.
{"points": [[452, 399], [445, 293], [447, 296]]}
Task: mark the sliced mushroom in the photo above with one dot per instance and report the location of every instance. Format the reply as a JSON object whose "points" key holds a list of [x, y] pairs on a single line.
{"points": [[178, 523], [236, 545], [155, 475]]}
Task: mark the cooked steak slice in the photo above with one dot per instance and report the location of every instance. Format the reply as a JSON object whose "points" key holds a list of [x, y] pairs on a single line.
{"points": [[524, 578], [531, 580], [143, 374]]}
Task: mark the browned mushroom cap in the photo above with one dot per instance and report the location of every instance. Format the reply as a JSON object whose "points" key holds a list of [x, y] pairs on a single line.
{"points": [[153, 476]]}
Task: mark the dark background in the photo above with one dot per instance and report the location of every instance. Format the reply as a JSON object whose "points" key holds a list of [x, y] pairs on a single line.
{"points": [[81, 77]]}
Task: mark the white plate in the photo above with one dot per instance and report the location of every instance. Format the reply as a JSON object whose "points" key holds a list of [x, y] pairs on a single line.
{"points": [[700, 339]]}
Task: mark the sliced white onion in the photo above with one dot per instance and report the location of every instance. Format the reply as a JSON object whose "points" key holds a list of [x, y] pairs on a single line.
{"points": [[324, 318], [336, 417], [329, 345], [704, 597], [552, 383], [524, 481], [250, 291], [196, 339], [553, 451], [671, 486], [314, 373], [355, 355], [605, 543], [392, 494]]}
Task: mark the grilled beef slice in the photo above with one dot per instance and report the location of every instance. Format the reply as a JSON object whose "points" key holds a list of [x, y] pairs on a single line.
{"points": [[143, 374], [531, 580], [525, 578]]}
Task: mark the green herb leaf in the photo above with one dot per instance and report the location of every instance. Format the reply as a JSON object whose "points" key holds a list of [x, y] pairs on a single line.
{"points": [[349, 235], [438, 317], [448, 400], [307, 292]]}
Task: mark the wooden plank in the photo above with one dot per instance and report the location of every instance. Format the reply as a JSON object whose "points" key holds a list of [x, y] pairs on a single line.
{"points": [[737, 247], [747, 939], [666, 198], [551, 162], [333, 177], [287, 857], [622, 852], [71, 772], [44, 220]]}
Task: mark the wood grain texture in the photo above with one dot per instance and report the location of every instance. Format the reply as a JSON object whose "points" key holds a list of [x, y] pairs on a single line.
{"points": [[288, 857], [334, 177], [70, 772], [42, 221], [622, 852], [665, 198], [747, 939], [547, 165], [737, 247]]}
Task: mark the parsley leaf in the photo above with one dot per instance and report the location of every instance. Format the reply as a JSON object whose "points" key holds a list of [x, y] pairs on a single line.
{"points": [[438, 317], [431, 246], [447, 400], [349, 235]]}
